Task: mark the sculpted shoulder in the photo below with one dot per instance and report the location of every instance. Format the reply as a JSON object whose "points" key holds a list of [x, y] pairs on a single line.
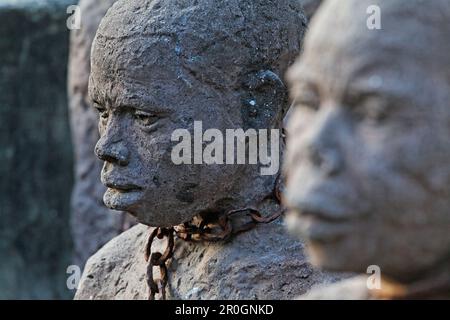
{"points": [[263, 263], [116, 270]]}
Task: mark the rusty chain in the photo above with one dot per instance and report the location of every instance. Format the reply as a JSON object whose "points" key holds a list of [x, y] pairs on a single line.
{"points": [[158, 259], [220, 230]]}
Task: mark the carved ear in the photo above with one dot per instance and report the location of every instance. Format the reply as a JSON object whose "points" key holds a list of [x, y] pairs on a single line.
{"points": [[264, 100]]}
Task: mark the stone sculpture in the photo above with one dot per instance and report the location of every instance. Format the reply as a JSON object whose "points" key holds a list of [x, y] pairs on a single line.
{"points": [[158, 66], [368, 160], [92, 223]]}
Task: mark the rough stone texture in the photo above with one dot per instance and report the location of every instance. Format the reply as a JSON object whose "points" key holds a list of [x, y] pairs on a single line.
{"points": [[35, 150], [261, 264], [368, 158], [92, 223], [158, 66]]}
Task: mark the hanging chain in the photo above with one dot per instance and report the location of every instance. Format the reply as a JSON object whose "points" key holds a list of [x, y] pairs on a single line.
{"points": [[221, 230], [158, 259]]}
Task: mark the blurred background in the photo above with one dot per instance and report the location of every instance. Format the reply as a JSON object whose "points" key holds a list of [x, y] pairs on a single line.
{"points": [[35, 150], [51, 210]]}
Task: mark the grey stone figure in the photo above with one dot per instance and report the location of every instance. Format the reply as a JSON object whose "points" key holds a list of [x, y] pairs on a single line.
{"points": [[158, 66], [92, 223], [368, 152]]}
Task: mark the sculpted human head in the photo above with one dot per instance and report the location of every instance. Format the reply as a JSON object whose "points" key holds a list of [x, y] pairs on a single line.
{"points": [[158, 66], [368, 151]]}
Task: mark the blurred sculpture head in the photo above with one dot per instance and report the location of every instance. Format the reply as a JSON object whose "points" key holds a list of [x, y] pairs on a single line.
{"points": [[158, 66], [368, 151]]}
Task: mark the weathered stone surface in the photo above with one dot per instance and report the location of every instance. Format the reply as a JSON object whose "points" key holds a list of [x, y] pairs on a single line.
{"points": [[156, 63], [368, 155], [261, 264], [35, 150], [159, 66], [92, 223]]}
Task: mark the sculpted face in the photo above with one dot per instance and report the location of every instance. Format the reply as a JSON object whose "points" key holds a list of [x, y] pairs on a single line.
{"points": [[368, 164], [156, 69], [140, 106]]}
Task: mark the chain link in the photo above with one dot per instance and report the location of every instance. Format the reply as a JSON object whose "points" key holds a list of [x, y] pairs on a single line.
{"points": [[158, 259], [221, 230]]}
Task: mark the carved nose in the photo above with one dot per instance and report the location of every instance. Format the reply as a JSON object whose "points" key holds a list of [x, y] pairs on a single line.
{"points": [[327, 159], [112, 152], [322, 147]]}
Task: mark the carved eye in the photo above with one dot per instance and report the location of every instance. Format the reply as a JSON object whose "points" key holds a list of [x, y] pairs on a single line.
{"points": [[308, 98], [145, 119], [103, 113], [371, 108]]}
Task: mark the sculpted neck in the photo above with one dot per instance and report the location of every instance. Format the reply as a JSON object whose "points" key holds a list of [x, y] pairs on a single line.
{"points": [[253, 186], [255, 191], [252, 183]]}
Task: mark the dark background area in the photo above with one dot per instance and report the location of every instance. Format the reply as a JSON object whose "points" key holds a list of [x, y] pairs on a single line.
{"points": [[35, 150]]}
